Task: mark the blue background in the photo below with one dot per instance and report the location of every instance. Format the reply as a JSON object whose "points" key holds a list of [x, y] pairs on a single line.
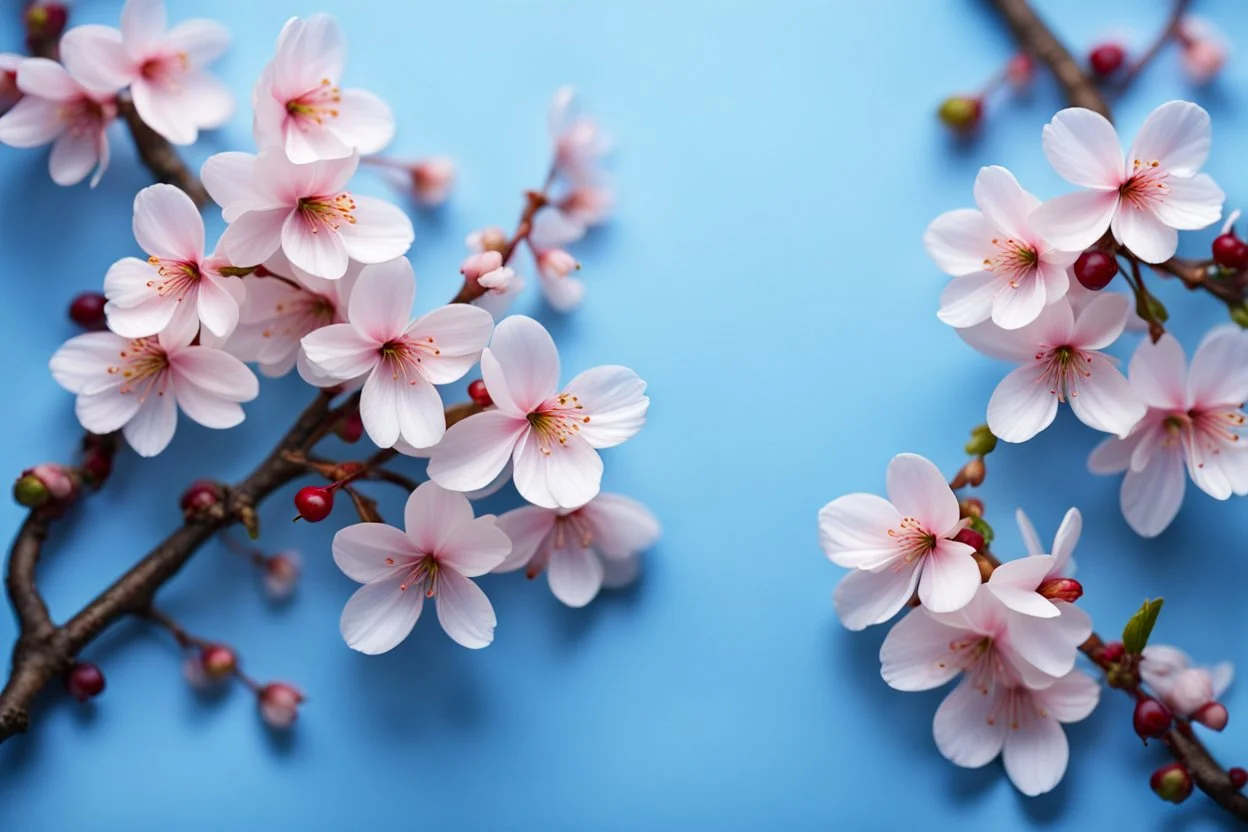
{"points": [[777, 165]]}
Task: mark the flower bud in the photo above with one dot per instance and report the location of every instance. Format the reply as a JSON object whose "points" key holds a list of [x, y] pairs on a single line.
{"points": [[1239, 777], [1230, 252], [1113, 652], [202, 498], [961, 113], [432, 180], [29, 491], [488, 239], [1213, 716], [971, 538], [1190, 690], [1106, 59], [1204, 49], [350, 428], [479, 394], [483, 262], [279, 704], [1151, 718], [1061, 589], [45, 20], [1239, 314], [1020, 71], [556, 263], [1172, 783], [497, 280], [84, 681], [96, 466], [281, 575], [218, 661], [971, 507], [982, 442], [87, 310]]}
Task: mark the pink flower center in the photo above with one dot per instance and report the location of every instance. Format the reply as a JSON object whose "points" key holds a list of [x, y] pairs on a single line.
{"points": [[1204, 432], [569, 529], [142, 367], [556, 420], [913, 540], [177, 277], [1146, 186], [315, 106], [165, 70], [299, 314], [404, 355], [83, 115], [1014, 260], [1064, 368], [327, 212], [422, 574]]}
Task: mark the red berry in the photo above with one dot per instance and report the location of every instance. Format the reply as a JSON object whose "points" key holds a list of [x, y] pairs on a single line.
{"points": [[84, 681], [87, 310], [479, 395], [1171, 782], [1094, 269], [1239, 777], [200, 496], [218, 661], [1229, 251], [1113, 652], [314, 503], [351, 428], [1151, 718], [971, 538], [1106, 59], [96, 467]]}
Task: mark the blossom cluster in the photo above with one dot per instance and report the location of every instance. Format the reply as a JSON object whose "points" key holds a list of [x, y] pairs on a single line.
{"points": [[311, 276], [1026, 289]]}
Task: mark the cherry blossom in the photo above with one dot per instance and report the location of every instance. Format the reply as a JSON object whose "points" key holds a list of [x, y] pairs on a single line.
{"points": [[281, 308], [579, 141], [177, 285], [299, 106], [58, 108], [163, 67], [485, 265], [137, 385], [1061, 360], [555, 267], [441, 547], [1004, 704], [1001, 267], [271, 203], [551, 434], [898, 544], [1017, 583], [575, 547], [1145, 198], [1204, 49], [1183, 686], [1195, 418], [403, 358]]}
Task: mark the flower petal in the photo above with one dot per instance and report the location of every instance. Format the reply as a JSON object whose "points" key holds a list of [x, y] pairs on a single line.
{"points": [[1190, 204], [1158, 373], [228, 178], [1015, 582], [168, 225], [463, 610], [1050, 644], [1036, 751], [854, 530], [527, 527], [1219, 373], [380, 615], [621, 526], [74, 156], [1015, 306], [362, 550], [918, 489], [564, 474], [916, 653], [32, 122], [96, 57], [340, 352], [1145, 234], [460, 332], [1022, 405], [615, 404], [475, 450], [864, 598], [1105, 400], [525, 366], [254, 236], [950, 577], [1071, 698], [381, 231], [574, 573], [381, 302], [1178, 135], [1082, 146], [959, 241], [968, 729], [316, 249], [1004, 202], [968, 299], [364, 121], [151, 429], [216, 372], [1072, 222]]}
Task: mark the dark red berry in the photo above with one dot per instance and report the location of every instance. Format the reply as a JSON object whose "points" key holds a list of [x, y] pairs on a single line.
{"points": [[479, 395], [200, 496], [1113, 652], [218, 661], [87, 310], [971, 538], [1172, 782], [96, 466], [1106, 59], [1151, 718], [314, 503], [1229, 251], [84, 681], [351, 428], [1239, 777], [46, 20], [1094, 269]]}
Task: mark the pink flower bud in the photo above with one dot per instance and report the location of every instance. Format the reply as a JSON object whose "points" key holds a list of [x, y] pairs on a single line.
{"points": [[556, 263], [483, 262], [1213, 715], [1061, 589], [588, 204], [1204, 50], [279, 704], [1020, 71], [84, 681], [432, 180], [498, 280], [281, 574], [218, 660], [492, 238], [1191, 690], [971, 538]]}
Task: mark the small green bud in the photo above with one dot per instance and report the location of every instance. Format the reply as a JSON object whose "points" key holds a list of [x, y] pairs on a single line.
{"points": [[1239, 314], [982, 442], [1158, 310], [961, 113], [30, 491]]}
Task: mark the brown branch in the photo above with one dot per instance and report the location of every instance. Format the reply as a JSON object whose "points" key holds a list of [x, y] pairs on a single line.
{"points": [[159, 156], [1167, 33]]}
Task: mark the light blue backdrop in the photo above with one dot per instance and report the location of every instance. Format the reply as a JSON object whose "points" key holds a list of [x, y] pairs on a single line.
{"points": [[777, 165]]}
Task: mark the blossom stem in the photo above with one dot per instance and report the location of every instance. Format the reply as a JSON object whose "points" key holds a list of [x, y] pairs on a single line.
{"points": [[1168, 32], [187, 641]]}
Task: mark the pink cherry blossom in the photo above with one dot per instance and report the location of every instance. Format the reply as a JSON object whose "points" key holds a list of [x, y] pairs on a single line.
{"points": [[10, 93], [441, 547], [575, 547], [1004, 705], [555, 267], [432, 180], [1182, 685], [1195, 418], [588, 203], [137, 385], [403, 358], [299, 106], [579, 141], [485, 265], [897, 545], [280, 309], [58, 108], [1061, 361], [1204, 49], [271, 203], [1015, 582], [177, 285], [163, 67], [1001, 267], [551, 434], [1146, 198]]}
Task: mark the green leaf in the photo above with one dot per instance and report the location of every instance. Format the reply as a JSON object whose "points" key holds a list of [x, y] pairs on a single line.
{"points": [[1140, 626], [980, 525]]}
